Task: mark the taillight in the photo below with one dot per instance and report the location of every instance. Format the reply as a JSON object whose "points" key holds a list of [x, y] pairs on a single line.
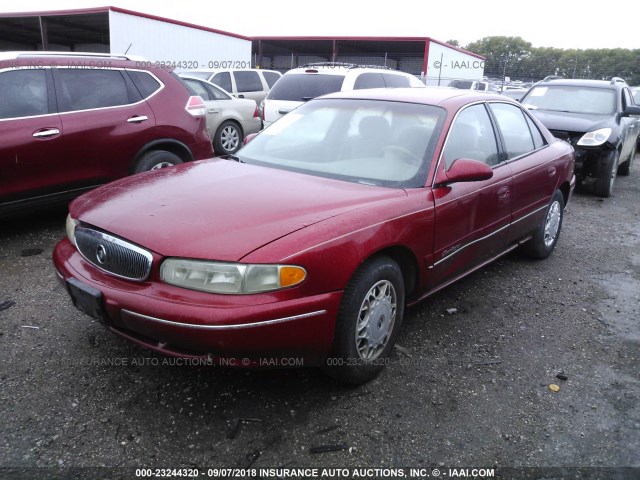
{"points": [[256, 113], [195, 106]]}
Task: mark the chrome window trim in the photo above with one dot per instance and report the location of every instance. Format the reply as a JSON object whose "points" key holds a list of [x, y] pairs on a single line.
{"points": [[225, 327], [124, 69]]}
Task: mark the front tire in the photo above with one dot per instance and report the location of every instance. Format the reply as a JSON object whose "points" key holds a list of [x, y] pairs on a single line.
{"points": [[156, 160], [604, 184], [546, 235], [368, 322], [228, 138]]}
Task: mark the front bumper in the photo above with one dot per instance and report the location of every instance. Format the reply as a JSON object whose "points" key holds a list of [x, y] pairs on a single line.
{"points": [[256, 329]]}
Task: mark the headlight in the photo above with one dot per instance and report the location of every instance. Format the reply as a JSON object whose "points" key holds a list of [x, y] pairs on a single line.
{"points": [[238, 278], [595, 138], [71, 229]]}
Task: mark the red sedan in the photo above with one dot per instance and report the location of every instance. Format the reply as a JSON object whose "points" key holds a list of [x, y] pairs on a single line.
{"points": [[306, 247]]}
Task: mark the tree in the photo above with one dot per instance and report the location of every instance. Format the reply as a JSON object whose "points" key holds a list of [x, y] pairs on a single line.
{"points": [[455, 43], [500, 52]]}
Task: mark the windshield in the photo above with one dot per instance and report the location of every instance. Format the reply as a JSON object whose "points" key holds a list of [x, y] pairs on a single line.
{"points": [[364, 141], [303, 87], [572, 99]]}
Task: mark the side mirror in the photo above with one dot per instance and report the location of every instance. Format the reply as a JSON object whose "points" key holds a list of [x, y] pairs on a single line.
{"points": [[249, 137], [467, 170], [631, 110]]}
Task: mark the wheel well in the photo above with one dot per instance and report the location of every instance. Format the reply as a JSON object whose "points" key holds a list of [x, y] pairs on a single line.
{"points": [[175, 147], [408, 264]]}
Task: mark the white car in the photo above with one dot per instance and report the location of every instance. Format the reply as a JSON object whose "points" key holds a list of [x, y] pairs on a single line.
{"points": [[253, 83], [229, 119], [299, 85]]}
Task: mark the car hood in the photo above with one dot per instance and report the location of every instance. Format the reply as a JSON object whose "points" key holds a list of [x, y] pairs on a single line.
{"points": [[218, 209], [572, 122]]}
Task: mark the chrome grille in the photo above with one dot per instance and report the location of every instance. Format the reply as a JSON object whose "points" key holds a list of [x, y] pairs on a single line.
{"points": [[113, 255]]}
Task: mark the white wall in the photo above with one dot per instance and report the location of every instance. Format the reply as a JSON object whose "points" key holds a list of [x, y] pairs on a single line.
{"points": [[167, 42], [446, 64]]}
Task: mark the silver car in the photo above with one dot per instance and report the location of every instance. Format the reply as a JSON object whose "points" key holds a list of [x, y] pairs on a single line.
{"points": [[229, 119]]}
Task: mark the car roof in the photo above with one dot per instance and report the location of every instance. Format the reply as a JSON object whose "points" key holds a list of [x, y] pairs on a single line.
{"points": [[426, 95], [581, 83]]}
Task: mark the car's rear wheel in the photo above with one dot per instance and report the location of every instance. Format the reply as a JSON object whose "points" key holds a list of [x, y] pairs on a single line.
{"points": [[156, 160], [625, 168], [368, 322], [546, 235], [228, 138], [604, 184]]}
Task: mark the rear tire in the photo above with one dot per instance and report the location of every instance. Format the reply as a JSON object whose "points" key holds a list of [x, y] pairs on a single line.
{"points": [[604, 184], [546, 235], [156, 160], [368, 322], [228, 138]]}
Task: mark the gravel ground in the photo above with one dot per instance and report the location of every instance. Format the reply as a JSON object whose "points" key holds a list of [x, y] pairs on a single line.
{"points": [[465, 389]]}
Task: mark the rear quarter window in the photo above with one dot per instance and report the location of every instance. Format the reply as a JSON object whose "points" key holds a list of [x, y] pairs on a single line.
{"points": [[271, 78], [395, 81], [145, 83], [223, 80], [369, 80], [247, 81]]}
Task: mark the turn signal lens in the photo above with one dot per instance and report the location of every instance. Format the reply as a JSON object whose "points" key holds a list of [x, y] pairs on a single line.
{"points": [[290, 276]]}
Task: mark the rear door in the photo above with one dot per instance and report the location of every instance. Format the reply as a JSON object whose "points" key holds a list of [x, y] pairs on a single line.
{"points": [[535, 178], [105, 121], [248, 84], [33, 159], [472, 218]]}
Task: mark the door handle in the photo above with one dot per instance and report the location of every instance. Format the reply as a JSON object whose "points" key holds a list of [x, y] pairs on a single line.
{"points": [[284, 111], [213, 110], [137, 119], [551, 171], [504, 192], [46, 132]]}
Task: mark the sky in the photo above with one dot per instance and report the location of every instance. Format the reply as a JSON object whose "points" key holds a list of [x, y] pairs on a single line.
{"points": [[543, 23]]}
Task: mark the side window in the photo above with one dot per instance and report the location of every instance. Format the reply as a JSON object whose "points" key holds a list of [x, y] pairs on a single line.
{"points": [[396, 81], [472, 136], [85, 89], [538, 139], [216, 93], [247, 81], [145, 83], [271, 78], [198, 88], [514, 128], [223, 80], [24, 93], [369, 80]]}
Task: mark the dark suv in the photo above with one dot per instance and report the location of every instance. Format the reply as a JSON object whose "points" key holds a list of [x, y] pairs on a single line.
{"points": [[69, 122], [598, 118]]}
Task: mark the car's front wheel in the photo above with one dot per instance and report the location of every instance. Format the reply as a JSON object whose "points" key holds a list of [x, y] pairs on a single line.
{"points": [[228, 138], [368, 321], [546, 235], [604, 184], [156, 160]]}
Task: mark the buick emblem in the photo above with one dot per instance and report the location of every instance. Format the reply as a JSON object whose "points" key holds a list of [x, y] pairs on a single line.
{"points": [[101, 254]]}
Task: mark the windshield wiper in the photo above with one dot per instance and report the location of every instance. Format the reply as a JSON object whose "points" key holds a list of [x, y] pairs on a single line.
{"points": [[232, 157]]}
